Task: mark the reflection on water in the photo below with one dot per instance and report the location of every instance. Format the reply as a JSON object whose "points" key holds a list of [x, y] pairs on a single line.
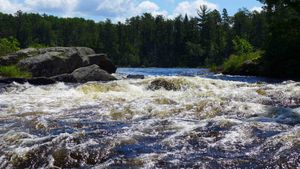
{"points": [[204, 123]]}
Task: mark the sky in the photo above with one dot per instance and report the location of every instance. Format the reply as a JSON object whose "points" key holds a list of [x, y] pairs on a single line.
{"points": [[119, 10]]}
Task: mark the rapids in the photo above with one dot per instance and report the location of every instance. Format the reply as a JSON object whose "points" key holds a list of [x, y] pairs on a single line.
{"points": [[207, 123]]}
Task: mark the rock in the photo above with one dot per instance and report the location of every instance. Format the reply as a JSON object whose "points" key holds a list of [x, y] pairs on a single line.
{"points": [[249, 68], [162, 83], [91, 73], [100, 60], [135, 77], [11, 80], [57, 60], [54, 61], [14, 58], [41, 81], [33, 81], [67, 78]]}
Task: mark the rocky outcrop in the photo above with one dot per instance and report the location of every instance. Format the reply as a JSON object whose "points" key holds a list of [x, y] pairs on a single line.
{"points": [[57, 60], [54, 61], [60, 64]]}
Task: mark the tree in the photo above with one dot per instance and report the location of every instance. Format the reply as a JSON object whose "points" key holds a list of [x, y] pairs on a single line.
{"points": [[282, 47], [241, 46]]}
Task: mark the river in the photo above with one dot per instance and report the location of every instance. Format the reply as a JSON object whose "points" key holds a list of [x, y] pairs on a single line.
{"points": [[209, 121]]}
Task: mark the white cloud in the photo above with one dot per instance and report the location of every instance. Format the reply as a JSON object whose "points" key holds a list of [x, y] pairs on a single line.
{"points": [[117, 10], [10, 7], [190, 8], [122, 9], [64, 7], [256, 8], [149, 7]]}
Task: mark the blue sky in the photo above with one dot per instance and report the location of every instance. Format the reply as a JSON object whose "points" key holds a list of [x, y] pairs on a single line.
{"points": [[119, 10]]}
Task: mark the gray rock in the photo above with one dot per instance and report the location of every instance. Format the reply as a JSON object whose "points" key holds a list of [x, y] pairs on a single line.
{"points": [[100, 60], [54, 61], [41, 81], [136, 77], [58, 60], [91, 73], [14, 58], [11, 80], [68, 78], [33, 81]]}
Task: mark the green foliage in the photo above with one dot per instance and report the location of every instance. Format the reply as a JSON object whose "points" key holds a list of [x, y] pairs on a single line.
{"points": [[8, 45], [241, 46], [13, 71], [235, 62]]}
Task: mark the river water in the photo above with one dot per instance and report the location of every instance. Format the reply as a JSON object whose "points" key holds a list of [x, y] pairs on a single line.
{"points": [[203, 121]]}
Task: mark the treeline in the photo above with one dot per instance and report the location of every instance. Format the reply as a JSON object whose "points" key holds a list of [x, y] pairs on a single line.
{"points": [[184, 41], [143, 40]]}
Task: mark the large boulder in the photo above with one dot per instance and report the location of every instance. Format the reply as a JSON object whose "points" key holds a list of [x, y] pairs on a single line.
{"points": [[91, 73], [53, 61], [56, 60]]}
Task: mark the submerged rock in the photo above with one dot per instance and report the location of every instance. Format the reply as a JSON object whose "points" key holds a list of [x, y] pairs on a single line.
{"points": [[135, 77], [162, 83]]}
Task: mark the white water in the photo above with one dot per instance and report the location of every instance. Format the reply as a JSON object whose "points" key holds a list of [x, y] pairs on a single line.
{"points": [[207, 123]]}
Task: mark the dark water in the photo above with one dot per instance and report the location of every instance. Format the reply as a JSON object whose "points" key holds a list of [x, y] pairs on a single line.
{"points": [[205, 121], [192, 72]]}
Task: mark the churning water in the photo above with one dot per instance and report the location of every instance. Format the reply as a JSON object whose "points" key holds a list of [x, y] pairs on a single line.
{"points": [[199, 120]]}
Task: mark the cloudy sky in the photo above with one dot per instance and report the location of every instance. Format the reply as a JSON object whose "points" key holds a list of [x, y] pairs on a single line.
{"points": [[118, 10]]}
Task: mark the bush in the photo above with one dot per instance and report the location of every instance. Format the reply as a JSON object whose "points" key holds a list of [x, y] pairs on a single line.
{"points": [[13, 71], [8, 45], [235, 62]]}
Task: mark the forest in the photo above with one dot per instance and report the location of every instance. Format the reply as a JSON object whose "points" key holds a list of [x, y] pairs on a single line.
{"points": [[270, 38]]}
